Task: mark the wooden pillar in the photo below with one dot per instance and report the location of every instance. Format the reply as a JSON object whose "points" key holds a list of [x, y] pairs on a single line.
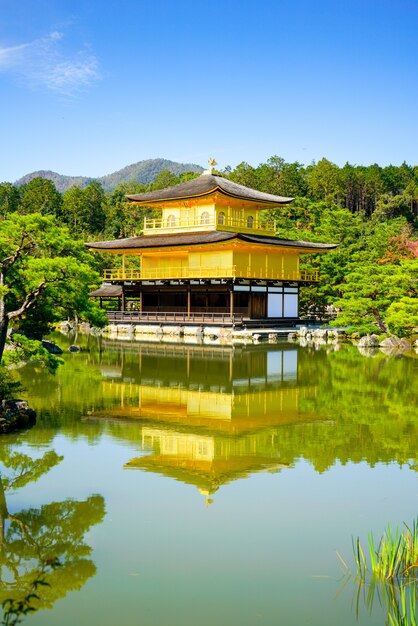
{"points": [[140, 301], [231, 302], [101, 303], [188, 302], [123, 299], [123, 267], [119, 303]]}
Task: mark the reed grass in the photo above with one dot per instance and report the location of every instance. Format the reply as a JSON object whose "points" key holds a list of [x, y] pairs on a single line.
{"points": [[390, 570], [394, 557]]}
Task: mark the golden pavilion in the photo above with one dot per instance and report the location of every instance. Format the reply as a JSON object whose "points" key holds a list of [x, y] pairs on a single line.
{"points": [[209, 258]]}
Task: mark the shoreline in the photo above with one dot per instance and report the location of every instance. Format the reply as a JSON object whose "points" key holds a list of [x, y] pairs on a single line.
{"points": [[303, 335]]}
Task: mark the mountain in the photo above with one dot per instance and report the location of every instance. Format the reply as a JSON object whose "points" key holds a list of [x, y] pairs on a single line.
{"points": [[60, 181], [143, 172]]}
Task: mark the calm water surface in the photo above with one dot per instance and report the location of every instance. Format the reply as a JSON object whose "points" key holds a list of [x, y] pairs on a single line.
{"points": [[180, 485]]}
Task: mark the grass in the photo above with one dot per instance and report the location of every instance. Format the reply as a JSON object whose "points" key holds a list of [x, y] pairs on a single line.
{"points": [[390, 569], [396, 555]]}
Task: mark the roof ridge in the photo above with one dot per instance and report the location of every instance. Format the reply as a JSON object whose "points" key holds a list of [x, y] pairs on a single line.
{"points": [[199, 238], [204, 185]]}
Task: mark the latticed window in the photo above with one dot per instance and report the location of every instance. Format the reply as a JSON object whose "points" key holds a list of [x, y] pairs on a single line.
{"points": [[205, 218], [221, 218], [250, 221], [171, 220]]}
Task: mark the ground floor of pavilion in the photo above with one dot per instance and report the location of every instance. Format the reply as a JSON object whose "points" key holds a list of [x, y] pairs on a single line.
{"points": [[223, 301]]}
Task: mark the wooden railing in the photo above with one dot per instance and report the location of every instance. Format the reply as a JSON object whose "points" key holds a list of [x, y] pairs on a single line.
{"points": [[160, 317], [231, 271], [196, 309], [208, 223]]}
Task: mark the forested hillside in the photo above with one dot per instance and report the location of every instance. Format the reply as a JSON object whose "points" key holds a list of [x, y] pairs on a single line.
{"points": [[363, 190], [142, 172], [371, 211]]}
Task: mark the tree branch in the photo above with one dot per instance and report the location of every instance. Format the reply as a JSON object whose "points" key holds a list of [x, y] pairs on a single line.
{"points": [[9, 261], [380, 323], [33, 295], [29, 300]]}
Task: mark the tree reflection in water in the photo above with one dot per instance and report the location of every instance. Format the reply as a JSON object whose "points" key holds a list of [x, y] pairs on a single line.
{"points": [[43, 553]]}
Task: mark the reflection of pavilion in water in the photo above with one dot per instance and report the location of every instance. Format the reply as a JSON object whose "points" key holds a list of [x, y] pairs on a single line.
{"points": [[210, 415]]}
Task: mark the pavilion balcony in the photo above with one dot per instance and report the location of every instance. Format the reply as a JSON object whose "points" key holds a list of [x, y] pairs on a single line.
{"points": [[167, 226], [223, 318], [232, 271]]}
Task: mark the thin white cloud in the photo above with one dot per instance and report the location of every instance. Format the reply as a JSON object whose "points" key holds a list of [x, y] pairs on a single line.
{"points": [[72, 74], [43, 63], [12, 57]]}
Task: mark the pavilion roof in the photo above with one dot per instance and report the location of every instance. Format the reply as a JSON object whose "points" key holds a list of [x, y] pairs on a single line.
{"points": [[208, 476], [199, 238], [204, 185], [106, 291]]}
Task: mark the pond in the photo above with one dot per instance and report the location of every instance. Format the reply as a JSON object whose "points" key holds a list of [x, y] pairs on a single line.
{"points": [[175, 484]]}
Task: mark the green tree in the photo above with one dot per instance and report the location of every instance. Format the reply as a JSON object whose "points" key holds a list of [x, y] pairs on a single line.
{"points": [[164, 179], [244, 174], [123, 218], [364, 247], [389, 206], [84, 209], [323, 181], [360, 188], [184, 177], [293, 180], [42, 265], [380, 297], [401, 316], [94, 198], [396, 179], [73, 212], [281, 178], [9, 199], [40, 196], [411, 197], [373, 188]]}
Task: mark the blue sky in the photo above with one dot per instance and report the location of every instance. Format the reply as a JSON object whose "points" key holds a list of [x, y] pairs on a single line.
{"points": [[87, 87]]}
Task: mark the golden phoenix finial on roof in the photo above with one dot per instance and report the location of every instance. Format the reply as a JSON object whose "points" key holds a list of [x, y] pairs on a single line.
{"points": [[212, 164]]}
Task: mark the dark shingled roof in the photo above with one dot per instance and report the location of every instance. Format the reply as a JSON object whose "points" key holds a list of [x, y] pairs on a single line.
{"points": [[205, 237], [205, 185], [106, 291]]}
